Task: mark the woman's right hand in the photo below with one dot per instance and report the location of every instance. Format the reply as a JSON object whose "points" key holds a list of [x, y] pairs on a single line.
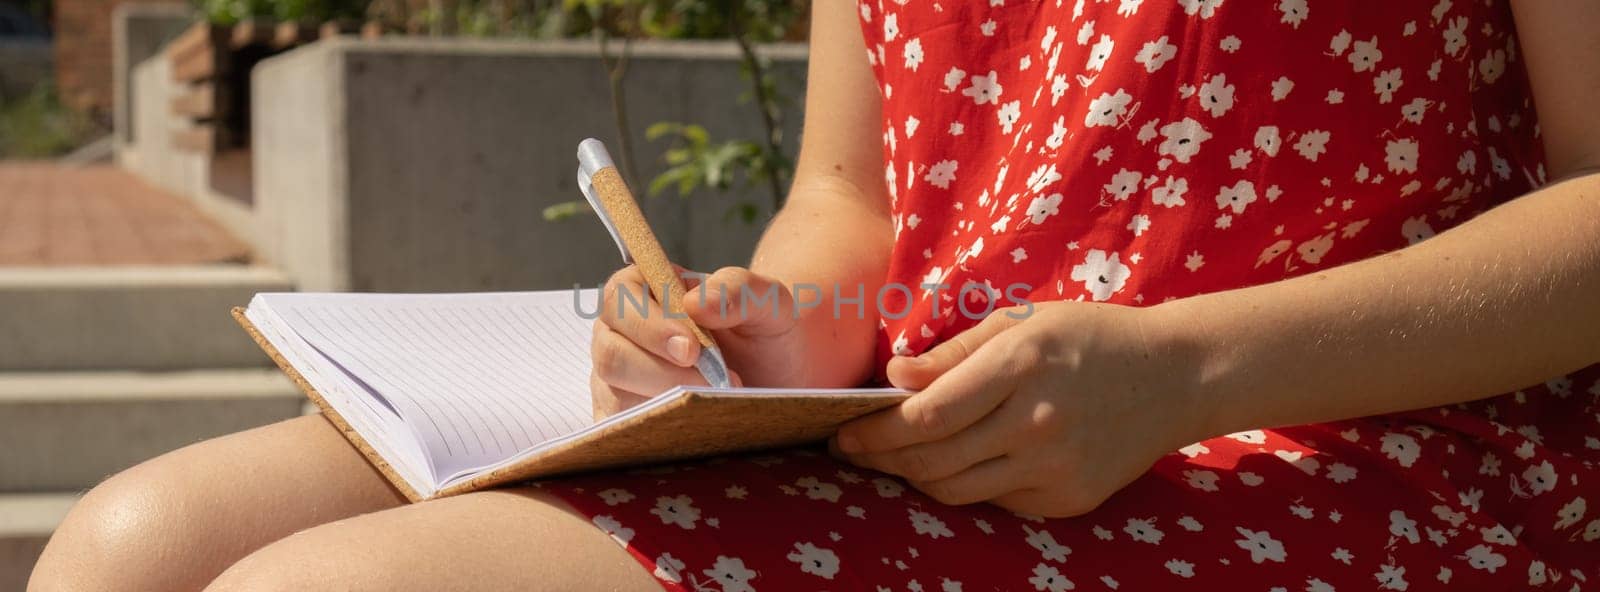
{"points": [[637, 356]]}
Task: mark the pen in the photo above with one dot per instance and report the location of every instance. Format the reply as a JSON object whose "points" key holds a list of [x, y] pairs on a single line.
{"points": [[603, 186]]}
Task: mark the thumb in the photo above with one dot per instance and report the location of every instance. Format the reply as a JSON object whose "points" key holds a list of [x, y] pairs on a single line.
{"points": [[916, 373]]}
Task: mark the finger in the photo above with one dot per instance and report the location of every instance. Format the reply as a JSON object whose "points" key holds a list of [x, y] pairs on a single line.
{"points": [[1042, 502], [991, 479], [955, 401], [735, 297], [608, 401], [629, 309], [916, 373], [623, 364], [990, 438]]}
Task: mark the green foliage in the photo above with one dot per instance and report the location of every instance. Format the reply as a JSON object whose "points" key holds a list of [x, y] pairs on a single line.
{"points": [[228, 12], [694, 161], [37, 125]]}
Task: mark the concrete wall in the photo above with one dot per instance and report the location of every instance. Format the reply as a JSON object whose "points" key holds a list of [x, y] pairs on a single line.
{"points": [[23, 65], [151, 155], [139, 31], [404, 165]]}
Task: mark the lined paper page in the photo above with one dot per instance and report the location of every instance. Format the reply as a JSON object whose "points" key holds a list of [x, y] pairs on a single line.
{"points": [[479, 377]]}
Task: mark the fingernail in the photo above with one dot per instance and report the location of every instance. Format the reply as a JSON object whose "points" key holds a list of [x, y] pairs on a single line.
{"points": [[848, 444], [678, 347]]}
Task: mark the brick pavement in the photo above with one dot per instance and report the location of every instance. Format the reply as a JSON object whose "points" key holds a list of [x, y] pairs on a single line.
{"points": [[51, 215]]}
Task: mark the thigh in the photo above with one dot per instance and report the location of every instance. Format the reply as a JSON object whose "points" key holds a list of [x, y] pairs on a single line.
{"points": [[176, 521], [494, 540]]}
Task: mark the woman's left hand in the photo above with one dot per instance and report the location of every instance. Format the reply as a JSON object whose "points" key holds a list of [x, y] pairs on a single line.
{"points": [[1048, 414]]}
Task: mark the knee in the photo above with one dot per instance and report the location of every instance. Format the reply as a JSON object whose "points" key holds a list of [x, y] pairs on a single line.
{"points": [[119, 536], [313, 560]]}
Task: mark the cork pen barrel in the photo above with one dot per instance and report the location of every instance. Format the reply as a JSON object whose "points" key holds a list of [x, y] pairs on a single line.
{"points": [[642, 244]]}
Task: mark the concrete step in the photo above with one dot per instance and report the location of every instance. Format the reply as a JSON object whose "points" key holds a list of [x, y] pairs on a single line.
{"points": [[26, 521], [68, 431], [129, 318]]}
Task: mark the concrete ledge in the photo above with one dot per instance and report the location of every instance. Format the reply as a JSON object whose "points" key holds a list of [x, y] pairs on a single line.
{"points": [[424, 165], [135, 318], [68, 431], [26, 522]]}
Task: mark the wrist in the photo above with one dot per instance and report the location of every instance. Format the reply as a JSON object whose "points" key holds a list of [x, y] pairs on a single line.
{"points": [[1198, 359]]}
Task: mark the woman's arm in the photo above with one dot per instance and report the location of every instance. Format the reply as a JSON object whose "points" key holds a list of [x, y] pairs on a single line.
{"points": [[836, 228], [1501, 302]]}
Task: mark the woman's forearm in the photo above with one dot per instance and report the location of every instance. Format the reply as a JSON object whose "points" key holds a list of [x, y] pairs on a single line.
{"points": [[1506, 300], [827, 242]]}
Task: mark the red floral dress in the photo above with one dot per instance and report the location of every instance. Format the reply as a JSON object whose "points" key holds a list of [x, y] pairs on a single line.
{"points": [[1135, 151]]}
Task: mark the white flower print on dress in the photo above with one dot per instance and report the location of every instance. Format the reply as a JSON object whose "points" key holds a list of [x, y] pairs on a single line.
{"points": [[1138, 224], [1180, 568], [732, 574], [1170, 193], [1205, 8], [1058, 134], [929, 525], [891, 27], [1201, 480], [1101, 275], [1391, 578], [1042, 178], [1261, 545], [953, 78], [1416, 229], [1049, 579], [1492, 66], [1386, 83], [814, 560], [1455, 35], [984, 89], [1540, 478], [941, 174], [1123, 184], [1414, 110], [1401, 448], [1312, 251], [1484, 558], [1144, 531], [1099, 53], [1230, 44], [1008, 115], [669, 568], [1216, 95], [1294, 12], [1237, 197], [1401, 155], [1267, 140], [1183, 139], [913, 54], [609, 525], [1404, 527], [1108, 109], [1046, 544], [1043, 207], [1190, 524], [819, 490], [616, 496], [1339, 43], [1155, 54], [1128, 7], [1341, 473], [1571, 513], [1281, 88], [1365, 56], [678, 510], [1312, 144]]}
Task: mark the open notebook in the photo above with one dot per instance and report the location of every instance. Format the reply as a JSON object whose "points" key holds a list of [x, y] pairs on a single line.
{"points": [[448, 393]]}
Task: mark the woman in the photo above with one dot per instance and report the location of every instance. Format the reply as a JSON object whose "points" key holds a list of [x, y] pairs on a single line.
{"points": [[1229, 218]]}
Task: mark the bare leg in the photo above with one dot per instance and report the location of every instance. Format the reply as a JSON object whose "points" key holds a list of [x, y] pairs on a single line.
{"points": [[175, 522], [495, 540]]}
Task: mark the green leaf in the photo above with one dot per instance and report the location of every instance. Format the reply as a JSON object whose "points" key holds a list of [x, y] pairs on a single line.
{"points": [[662, 128], [565, 210]]}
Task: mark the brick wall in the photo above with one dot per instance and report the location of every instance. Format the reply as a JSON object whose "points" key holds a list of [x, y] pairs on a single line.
{"points": [[83, 52]]}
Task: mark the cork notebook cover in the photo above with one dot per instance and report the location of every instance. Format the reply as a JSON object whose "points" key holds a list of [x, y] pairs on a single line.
{"points": [[452, 393]]}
